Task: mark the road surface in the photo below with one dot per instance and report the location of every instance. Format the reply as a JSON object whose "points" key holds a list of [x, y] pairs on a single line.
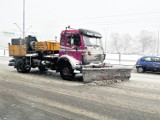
{"points": [[36, 96]]}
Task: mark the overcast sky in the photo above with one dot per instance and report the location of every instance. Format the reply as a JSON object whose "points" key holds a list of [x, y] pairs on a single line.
{"points": [[46, 18]]}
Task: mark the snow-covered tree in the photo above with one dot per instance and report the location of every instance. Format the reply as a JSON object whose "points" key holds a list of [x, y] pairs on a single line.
{"points": [[125, 42], [116, 43], [146, 40]]}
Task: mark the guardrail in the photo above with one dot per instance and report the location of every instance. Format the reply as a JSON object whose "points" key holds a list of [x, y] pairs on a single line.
{"points": [[122, 59]]}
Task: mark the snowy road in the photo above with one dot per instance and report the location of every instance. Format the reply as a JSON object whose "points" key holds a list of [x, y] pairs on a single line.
{"points": [[36, 96]]}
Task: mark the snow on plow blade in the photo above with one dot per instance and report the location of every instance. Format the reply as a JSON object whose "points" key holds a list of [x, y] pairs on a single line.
{"points": [[106, 74]]}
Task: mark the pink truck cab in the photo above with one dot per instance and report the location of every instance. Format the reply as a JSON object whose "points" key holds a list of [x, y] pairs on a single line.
{"points": [[79, 49]]}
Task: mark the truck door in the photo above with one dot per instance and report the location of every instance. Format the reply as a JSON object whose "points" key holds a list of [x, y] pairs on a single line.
{"points": [[74, 46]]}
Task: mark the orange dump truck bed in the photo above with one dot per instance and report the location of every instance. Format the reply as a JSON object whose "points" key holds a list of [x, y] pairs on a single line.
{"points": [[17, 50], [47, 46]]}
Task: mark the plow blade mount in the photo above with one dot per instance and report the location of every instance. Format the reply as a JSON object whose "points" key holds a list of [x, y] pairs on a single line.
{"points": [[106, 74]]}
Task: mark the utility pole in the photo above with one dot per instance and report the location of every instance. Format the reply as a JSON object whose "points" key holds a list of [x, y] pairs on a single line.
{"points": [[23, 19], [22, 30], [158, 43], [105, 39]]}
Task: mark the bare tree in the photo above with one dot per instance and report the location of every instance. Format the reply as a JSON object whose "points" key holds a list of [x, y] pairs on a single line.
{"points": [[145, 39], [144, 42], [126, 39], [115, 37]]}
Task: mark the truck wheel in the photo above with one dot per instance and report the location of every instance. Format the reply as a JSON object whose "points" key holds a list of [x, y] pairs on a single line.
{"points": [[140, 70], [23, 69], [66, 72]]}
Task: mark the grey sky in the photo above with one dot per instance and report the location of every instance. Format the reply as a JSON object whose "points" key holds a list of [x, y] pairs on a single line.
{"points": [[49, 17]]}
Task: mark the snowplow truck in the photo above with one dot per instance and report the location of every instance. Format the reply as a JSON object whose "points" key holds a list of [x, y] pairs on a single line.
{"points": [[79, 51]]}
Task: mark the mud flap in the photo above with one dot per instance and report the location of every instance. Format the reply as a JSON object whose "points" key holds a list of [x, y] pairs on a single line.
{"points": [[105, 74]]}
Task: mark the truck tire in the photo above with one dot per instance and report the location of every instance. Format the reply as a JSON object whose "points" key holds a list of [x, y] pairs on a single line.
{"points": [[66, 72], [22, 67]]}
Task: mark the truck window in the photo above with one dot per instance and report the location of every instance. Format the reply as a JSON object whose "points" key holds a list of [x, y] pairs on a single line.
{"points": [[74, 40], [90, 41], [62, 40], [77, 41], [69, 40]]}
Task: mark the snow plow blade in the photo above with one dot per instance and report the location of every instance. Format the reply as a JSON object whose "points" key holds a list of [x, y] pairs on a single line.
{"points": [[106, 74]]}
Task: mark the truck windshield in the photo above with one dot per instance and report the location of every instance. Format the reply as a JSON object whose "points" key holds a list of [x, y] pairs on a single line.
{"points": [[92, 41]]}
